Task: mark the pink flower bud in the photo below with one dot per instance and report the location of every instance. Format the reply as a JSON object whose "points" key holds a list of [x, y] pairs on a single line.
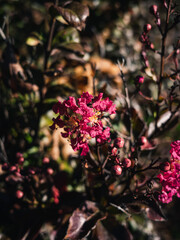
{"points": [[151, 46], [12, 168], [139, 79], [20, 160], [147, 27], [19, 194], [119, 142], [153, 9], [56, 200], [18, 155], [165, 166], [117, 170], [31, 171], [46, 160], [50, 171], [126, 163], [143, 140], [18, 174], [114, 151]]}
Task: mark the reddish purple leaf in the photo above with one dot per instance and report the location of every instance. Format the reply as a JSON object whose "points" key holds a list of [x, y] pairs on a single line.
{"points": [[74, 14], [83, 220]]}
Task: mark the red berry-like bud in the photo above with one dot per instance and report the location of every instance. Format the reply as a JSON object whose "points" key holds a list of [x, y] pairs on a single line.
{"points": [[119, 142], [18, 174], [139, 79], [153, 9], [151, 46], [114, 151], [12, 168], [50, 171], [46, 160], [20, 160], [147, 27], [117, 170], [126, 163], [143, 140], [56, 200], [19, 194], [31, 171], [18, 155], [165, 166]]}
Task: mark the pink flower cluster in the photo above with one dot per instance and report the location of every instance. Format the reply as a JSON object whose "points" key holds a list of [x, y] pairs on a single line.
{"points": [[170, 180], [81, 120]]}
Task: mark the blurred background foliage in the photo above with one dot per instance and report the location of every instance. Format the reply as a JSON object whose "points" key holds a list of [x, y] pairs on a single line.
{"points": [[111, 32]]}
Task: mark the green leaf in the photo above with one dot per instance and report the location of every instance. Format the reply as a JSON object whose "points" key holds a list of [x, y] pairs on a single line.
{"points": [[67, 35], [34, 39]]}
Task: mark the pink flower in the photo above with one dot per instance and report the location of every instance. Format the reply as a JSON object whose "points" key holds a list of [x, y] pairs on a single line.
{"points": [[170, 180], [175, 150], [81, 120]]}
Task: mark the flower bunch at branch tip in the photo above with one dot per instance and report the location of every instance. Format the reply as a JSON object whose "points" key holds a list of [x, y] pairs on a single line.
{"points": [[170, 180], [81, 120]]}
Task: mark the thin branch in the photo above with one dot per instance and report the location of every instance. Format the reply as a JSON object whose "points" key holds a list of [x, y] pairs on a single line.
{"points": [[146, 97], [161, 74], [51, 33], [121, 209], [2, 34], [127, 100]]}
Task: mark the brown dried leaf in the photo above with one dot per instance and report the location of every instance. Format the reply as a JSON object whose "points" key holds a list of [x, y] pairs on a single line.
{"points": [[73, 47]]}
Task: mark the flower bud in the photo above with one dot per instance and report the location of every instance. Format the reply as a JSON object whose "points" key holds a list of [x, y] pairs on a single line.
{"points": [[139, 79], [19, 194], [18, 174], [165, 166], [46, 160], [56, 200], [20, 160], [143, 140], [151, 46], [12, 168], [31, 171], [18, 155], [147, 27], [119, 142], [117, 170], [126, 163], [114, 151], [153, 9], [50, 171]]}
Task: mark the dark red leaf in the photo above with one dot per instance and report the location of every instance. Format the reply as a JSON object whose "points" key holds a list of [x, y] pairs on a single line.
{"points": [[110, 229], [151, 214], [83, 220], [144, 202], [74, 14]]}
